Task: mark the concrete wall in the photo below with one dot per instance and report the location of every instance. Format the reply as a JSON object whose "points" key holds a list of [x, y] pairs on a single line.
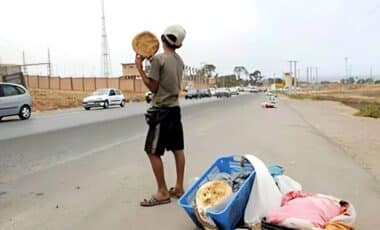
{"points": [[129, 84], [113, 83], [126, 85], [89, 84], [101, 83], [54, 83], [33, 82], [140, 86], [43, 82], [66, 83], [77, 84]]}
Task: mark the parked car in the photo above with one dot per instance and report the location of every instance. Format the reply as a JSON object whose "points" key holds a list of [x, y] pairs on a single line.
{"points": [[192, 93], [213, 91], [104, 98], [251, 89], [240, 89], [234, 91], [205, 93], [15, 100], [222, 92]]}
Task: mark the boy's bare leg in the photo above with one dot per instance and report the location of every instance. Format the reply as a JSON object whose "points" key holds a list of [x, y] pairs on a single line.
{"points": [[179, 156], [158, 170]]}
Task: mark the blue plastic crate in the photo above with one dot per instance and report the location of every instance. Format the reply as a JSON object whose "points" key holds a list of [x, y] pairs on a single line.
{"points": [[233, 213]]}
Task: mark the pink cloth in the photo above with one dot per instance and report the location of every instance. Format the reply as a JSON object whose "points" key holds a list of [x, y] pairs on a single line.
{"points": [[318, 210]]}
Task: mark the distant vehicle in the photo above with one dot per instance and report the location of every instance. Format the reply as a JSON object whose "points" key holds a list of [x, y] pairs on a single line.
{"points": [[251, 89], [15, 100], [222, 92], [104, 98], [234, 91], [205, 93], [213, 91], [148, 97], [187, 88], [192, 93]]}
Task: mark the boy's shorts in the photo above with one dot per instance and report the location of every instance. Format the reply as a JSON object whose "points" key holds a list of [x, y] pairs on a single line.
{"points": [[166, 135]]}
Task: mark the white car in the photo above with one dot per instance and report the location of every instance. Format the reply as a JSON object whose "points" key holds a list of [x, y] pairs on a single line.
{"points": [[104, 98], [15, 100], [223, 92], [234, 91], [213, 91], [251, 89]]}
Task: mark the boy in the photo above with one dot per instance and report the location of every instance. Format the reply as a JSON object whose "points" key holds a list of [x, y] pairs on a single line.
{"points": [[164, 81]]}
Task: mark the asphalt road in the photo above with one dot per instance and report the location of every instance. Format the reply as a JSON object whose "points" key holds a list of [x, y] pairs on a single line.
{"points": [[12, 127], [87, 170]]}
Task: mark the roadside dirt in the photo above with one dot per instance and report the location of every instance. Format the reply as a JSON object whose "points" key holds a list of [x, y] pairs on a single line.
{"points": [[357, 136], [45, 100]]}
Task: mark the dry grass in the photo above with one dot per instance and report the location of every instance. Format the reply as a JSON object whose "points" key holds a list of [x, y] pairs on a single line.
{"points": [[44, 100], [370, 110], [365, 98]]}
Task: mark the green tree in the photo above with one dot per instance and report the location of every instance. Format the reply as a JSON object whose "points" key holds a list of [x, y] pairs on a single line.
{"points": [[227, 81], [270, 81], [278, 80], [255, 77], [239, 70], [350, 80], [360, 81], [369, 81], [208, 70]]}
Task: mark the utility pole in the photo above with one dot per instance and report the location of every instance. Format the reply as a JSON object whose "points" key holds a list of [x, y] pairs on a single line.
{"points": [[350, 71], [295, 73], [370, 72], [298, 74], [24, 63], [290, 65], [50, 71], [346, 66], [311, 74], [316, 74]]}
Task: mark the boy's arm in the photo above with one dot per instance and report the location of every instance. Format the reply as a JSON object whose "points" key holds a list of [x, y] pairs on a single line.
{"points": [[149, 82]]}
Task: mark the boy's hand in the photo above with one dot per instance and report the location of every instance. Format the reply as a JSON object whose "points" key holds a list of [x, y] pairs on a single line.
{"points": [[139, 61]]}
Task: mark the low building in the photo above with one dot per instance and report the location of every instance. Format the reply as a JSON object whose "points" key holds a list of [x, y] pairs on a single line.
{"points": [[288, 80], [11, 73], [7, 69], [129, 70]]}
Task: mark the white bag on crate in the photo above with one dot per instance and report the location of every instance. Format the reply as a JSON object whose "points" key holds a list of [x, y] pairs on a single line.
{"points": [[265, 195], [286, 184]]}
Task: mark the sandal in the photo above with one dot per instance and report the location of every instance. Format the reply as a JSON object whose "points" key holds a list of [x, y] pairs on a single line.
{"points": [[153, 201], [173, 193]]}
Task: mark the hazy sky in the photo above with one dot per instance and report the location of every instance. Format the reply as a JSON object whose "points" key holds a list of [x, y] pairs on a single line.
{"points": [[258, 34]]}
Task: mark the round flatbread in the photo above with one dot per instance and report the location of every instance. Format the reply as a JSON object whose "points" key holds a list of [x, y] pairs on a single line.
{"points": [[211, 193], [145, 44]]}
